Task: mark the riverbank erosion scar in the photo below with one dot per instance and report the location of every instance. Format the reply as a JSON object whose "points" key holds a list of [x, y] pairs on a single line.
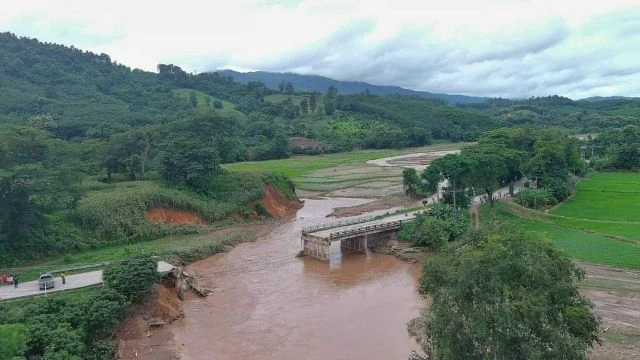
{"points": [[166, 215], [278, 205]]}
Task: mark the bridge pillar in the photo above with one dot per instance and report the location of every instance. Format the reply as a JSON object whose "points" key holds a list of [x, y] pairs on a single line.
{"points": [[358, 243], [315, 247]]}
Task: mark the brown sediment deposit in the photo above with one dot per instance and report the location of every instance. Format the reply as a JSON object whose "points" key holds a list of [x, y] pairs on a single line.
{"points": [[616, 296], [165, 215], [277, 203], [391, 202]]}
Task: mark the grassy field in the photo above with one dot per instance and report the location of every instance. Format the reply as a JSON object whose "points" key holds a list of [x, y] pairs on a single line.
{"points": [[600, 224], [203, 106], [581, 244], [300, 167], [605, 196]]}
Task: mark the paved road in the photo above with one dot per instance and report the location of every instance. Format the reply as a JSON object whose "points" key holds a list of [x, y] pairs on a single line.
{"points": [[30, 288], [76, 281]]}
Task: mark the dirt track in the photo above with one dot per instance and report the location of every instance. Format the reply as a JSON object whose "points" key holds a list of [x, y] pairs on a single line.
{"points": [[616, 296]]}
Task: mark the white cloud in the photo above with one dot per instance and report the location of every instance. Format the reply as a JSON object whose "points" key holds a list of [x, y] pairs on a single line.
{"points": [[494, 48]]}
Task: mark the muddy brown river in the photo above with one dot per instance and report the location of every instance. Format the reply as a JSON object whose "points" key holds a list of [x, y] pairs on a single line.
{"points": [[268, 304]]}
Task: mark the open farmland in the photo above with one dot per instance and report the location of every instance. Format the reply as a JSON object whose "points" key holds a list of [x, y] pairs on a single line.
{"points": [[599, 224], [331, 172], [605, 196]]}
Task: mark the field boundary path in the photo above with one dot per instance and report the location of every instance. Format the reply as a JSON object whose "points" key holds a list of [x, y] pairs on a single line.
{"points": [[75, 281]]}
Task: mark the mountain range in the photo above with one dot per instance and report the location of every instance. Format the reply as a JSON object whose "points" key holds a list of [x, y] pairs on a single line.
{"points": [[321, 84]]}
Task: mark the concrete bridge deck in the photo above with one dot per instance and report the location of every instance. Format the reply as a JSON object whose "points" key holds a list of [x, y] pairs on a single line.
{"points": [[353, 228]]}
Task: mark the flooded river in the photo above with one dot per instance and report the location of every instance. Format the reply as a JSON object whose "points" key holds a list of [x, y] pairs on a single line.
{"points": [[268, 304]]}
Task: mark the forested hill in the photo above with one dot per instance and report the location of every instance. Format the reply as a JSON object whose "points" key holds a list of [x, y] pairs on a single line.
{"points": [[78, 95], [320, 83]]}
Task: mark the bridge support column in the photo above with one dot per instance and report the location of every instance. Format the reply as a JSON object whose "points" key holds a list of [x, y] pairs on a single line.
{"points": [[315, 247], [358, 243]]}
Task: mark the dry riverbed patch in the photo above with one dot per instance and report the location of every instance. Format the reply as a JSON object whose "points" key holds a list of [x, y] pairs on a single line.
{"points": [[616, 296]]}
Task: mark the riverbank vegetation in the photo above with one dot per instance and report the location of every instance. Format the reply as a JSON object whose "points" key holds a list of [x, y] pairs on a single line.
{"points": [[78, 324], [549, 158], [504, 293]]}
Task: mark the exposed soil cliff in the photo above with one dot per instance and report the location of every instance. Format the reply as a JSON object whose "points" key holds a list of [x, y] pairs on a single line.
{"points": [[277, 203], [136, 341], [165, 215]]}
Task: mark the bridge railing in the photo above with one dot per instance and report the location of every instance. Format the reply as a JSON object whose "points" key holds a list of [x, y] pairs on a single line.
{"points": [[335, 224], [365, 229]]}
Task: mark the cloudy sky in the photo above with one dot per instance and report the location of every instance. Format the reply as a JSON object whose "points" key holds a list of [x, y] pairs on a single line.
{"points": [[508, 48]]}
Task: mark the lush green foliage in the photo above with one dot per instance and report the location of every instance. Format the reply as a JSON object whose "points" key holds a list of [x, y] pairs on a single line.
{"points": [[418, 119], [65, 326], [440, 225], [411, 182], [585, 116], [535, 198], [615, 149], [502, 156], [504, 294], [38, 174], [132, 278], [13, 341]]}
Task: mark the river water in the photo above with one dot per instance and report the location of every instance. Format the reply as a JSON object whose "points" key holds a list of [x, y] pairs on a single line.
{"points": [[268, 304]]}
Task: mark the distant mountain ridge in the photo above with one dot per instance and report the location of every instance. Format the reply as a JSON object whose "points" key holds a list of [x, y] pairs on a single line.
{"points": [[321, 84]]}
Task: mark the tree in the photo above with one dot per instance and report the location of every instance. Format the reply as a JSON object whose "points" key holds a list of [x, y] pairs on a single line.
{"points": [[189, 161], [288, 88], [504, 294], [193, 99], [454, 168], [13, 341], [133, 277], [441, 224], [304, 105], [432, 178], [313, 101], [488, 166], [331, 100], [281, 86], [411, 182]]}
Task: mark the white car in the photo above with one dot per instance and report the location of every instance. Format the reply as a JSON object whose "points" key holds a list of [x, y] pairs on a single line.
{"points": [[46, 281]]}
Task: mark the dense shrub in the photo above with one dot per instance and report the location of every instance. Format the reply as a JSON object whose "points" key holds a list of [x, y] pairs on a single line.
{"points": [[13, 341], [440, 225], [64, 326], [504, 294], [132, 278], [536, 198]]}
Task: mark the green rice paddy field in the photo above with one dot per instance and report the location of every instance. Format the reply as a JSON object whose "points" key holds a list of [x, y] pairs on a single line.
{"points": [[599, 224], [341, 170]]}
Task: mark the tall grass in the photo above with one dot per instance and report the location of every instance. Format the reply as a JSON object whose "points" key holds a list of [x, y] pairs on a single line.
{"points": [[119, 211]]}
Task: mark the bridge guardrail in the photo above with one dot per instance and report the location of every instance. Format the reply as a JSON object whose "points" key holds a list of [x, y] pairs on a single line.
{"points": [[335, 224], [364, 229]]}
